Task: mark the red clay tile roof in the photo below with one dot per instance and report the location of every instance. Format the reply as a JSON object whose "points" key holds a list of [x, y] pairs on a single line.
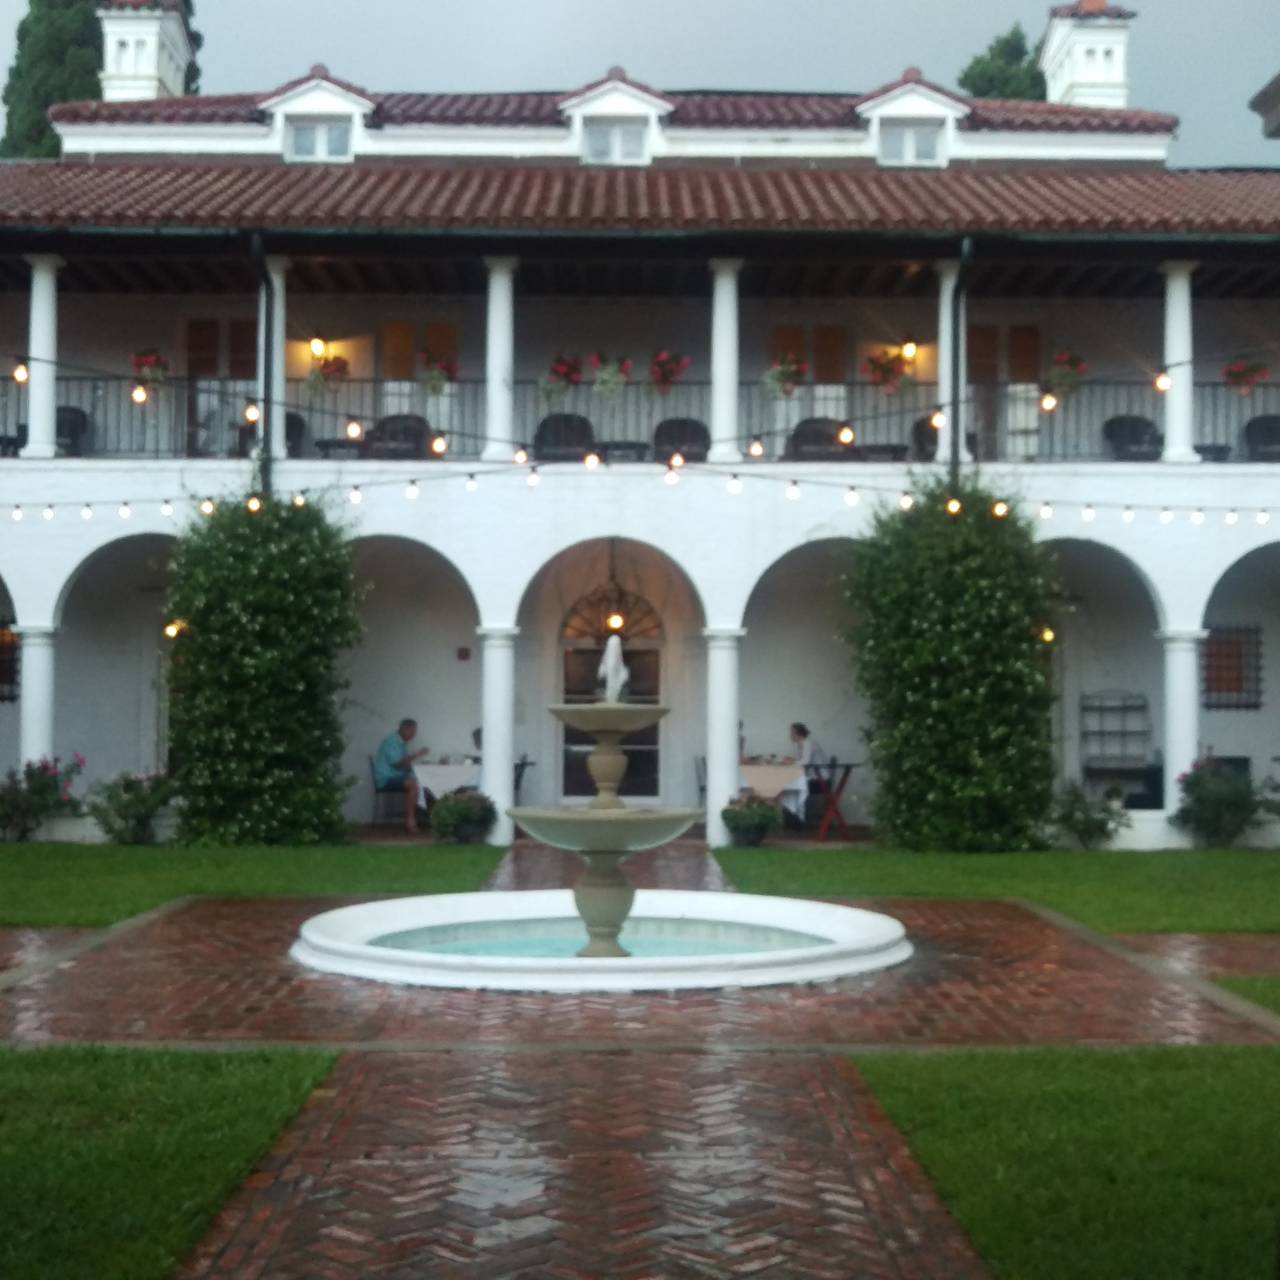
{"points": [[696, 108], [1086, 9], [176, 6], [1079, 199], [615, 75]]}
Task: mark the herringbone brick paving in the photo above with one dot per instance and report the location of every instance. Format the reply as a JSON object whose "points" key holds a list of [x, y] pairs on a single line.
{"points": [[576, 1166]]}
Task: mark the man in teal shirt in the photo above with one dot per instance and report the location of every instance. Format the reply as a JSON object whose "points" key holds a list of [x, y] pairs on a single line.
{"points": [[393, 769]]}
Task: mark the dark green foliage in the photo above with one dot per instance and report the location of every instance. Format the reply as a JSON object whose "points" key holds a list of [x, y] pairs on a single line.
{"points": [[30, 796], [58, 59], [1006, 70], [1218, 806], [126, 807], [465, 817], [59, 56], [192, 85], [750, 818], [266, 602], [1090, 823], [947, 614]]}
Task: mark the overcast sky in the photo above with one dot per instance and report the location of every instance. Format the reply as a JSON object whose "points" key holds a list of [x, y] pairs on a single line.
{"points": [[1200, 61]]}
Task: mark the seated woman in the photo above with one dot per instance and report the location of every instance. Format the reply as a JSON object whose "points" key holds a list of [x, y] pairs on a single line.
{"points": [[808, 753]]}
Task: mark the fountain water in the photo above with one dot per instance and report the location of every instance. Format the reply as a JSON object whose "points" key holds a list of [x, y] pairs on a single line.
{"points": [[523, 941]]}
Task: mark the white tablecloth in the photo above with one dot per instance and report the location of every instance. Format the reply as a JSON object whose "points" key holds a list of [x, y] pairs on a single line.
{"points": [[786, 782], [440, 779]]}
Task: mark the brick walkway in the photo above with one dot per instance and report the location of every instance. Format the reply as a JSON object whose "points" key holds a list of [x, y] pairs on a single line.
{"points": [[1212, 955], [20, 947]]}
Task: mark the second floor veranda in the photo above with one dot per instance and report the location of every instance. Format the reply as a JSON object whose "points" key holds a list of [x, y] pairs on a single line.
{"points": [[453, 358]]}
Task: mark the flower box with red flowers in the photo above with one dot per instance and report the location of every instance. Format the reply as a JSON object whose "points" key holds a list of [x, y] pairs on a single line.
{"points": [[150, 366], [1066, 372], [1244, 374], [785, 374], [667, 368], [885, 369], [435, 373]]}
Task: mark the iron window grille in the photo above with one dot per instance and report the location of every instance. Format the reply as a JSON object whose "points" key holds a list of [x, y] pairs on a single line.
{"points": [[10, 661], [1231, 669]]}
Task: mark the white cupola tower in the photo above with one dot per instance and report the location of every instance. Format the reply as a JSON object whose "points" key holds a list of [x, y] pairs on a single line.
{"points": [[1085, 54], [146, 49]]}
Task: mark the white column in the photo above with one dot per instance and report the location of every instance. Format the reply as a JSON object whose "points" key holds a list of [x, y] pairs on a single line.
{"points": [[276, 269], [498, 723], [1181, 706], [724, 361], [723, 744], [35, 692], [500, 363], [42, 359], [950, 343], [1179, 400]]}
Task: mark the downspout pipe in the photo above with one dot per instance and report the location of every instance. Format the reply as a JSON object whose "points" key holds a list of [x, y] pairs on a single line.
{"points": [[265, 345], [957, 373]]}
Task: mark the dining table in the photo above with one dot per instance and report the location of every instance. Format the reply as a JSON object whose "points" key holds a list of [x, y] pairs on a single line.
{"points": [[440, 778], [782, 782]]}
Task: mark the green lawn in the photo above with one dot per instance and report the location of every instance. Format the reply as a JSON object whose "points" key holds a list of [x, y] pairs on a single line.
{"points": [[1155, 1164], [61, 884], [1263, 991], [112, 1164], [1195, 892]]}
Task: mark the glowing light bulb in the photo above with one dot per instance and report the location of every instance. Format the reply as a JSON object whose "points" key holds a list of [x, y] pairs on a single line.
{"points": [[472, 484], [906, 502], [173, 630], [253, 504], [733, 486], [793, 492], [252, 414], [672, 477], [1048, 635], [756, 448], [1127, 515], [1000, 509], [1046, 511], [1232, 517], [534, 479], [354, 429], [1166, 516], [354, 496], [937, 419], [1263, 517], [318, 347], [677, 459], [21, 372], [1048, 402], [615, 622], [591, 461], [86, 512], [1163, 381], [910, 349], [411, 491], [521, 455], [299, 499], [1088, 515], [846, 434], [207, 507], [124, 511], [852, 497], [1197, 516], [439, 445], [16, 513], [954, 506], [48, 512], [166, 509], [139, 394]]}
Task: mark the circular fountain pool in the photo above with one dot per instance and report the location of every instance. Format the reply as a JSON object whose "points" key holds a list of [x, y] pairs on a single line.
{"points": [[526, 941]]}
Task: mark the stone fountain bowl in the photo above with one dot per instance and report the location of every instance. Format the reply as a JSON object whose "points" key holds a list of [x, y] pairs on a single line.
{"points": [[607, 717], [606, 830]]}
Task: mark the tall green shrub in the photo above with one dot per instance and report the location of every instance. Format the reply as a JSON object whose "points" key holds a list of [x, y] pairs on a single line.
{"points": [[947, 622], [265, 605]]}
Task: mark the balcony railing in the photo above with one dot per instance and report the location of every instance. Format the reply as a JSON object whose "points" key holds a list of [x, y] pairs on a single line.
{"points": [[205, 418]]}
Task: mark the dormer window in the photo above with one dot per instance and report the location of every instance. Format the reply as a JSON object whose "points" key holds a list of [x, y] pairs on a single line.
{"points": [[911, 142], [319, 140], [609, 141]]}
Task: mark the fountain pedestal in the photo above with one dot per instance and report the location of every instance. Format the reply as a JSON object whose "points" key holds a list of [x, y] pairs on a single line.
{"points": [[606, 832]]}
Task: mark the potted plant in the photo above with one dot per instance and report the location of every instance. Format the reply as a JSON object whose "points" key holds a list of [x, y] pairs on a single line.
{"points": [[885, 369], [150, 366], [667, 368], [564, 374], [750, 818], [327, 373], [1066, 373], [1243, 374], [785, 374], [464, 817], [436, 373], [609, 376]]}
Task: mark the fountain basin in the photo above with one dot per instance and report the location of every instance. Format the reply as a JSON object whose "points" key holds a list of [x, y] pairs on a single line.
{"points": [[605, 830], [366, 941], [607, 717]]}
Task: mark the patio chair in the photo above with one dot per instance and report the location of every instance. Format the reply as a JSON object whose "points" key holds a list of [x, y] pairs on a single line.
{"points": [[1133, 438], [563, 437], [687, 436], [924, 440], [1262, 438], [399, 435], [295, 434], [72, 431], [817, 440], [384, 801], [11, 446]]}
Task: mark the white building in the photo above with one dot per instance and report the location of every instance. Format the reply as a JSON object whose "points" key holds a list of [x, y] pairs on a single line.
{"points": [[248, 235]]}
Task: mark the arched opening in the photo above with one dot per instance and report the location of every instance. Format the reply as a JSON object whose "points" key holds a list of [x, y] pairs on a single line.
{"points": [[1108, 720], [796, 667], [10, 672], [574, 602], [1240, 665], [111, 690], [418, 658]]}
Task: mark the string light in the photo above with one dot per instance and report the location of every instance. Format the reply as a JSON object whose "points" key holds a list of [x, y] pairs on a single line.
{"points": [[354, 429], [252, 414], [677, 459], [1232, 517], [175, 628], [16, 513], [1048, 635], [354, 496], [852, 497], [910, 349], [534, 479], [591, 461], [1163, 381], [1048, 402], [166, 508], [86, 512], [734, 485], [1263, 517], [1127, 515], [124, 511], [793, 492], [472, 484], [615, 622], [937, 419], [439, 445], [1046, 511], [1000, 509], [139, 394], [1166, 516], [253, 504], [207, 507], [672, 477], [48, 512], [906, 502], [1088, 515], [521, 455], [954, 506], [756, 448], [846, 434], [300, 499], [22, 373], [318, 346], [411, 491], [1197, 516]]}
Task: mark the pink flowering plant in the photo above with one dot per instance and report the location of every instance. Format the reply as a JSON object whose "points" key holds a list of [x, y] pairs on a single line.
{"points": [[1219, 805], [785, 374], [885, 369], [126, 807], [1244, 373], [564, 373], [150, 366], [435, 373], [666, 369], [609, 374], [1067, 371], [40, 790]]}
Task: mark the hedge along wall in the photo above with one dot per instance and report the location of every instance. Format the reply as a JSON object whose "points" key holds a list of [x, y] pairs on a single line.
{"points": [[265, 606], [948, 618]]}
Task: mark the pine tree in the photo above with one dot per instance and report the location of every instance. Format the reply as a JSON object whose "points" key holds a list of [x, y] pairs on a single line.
{"points": [[1006, 70], [58, 59]]}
